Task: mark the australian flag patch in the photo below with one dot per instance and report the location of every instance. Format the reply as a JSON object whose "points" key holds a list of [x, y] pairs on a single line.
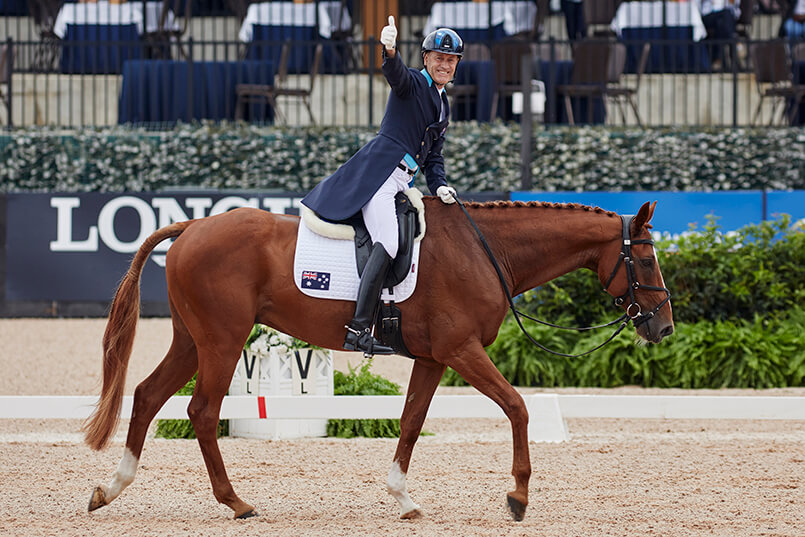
{"points": [[315, 280]]}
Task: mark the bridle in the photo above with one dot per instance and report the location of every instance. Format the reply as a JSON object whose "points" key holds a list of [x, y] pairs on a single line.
{"points": [[625, 257], [637, 316]]}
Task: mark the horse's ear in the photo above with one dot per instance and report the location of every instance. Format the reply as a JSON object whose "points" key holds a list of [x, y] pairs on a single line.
{"points": [[643, 216]]}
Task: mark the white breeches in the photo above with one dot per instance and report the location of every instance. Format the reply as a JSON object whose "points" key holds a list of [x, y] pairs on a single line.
{"points": [[380, 215]]}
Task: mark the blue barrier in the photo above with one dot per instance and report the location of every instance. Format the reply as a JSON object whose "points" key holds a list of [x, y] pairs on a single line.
{"points": [[792, 203], [676, 211]]}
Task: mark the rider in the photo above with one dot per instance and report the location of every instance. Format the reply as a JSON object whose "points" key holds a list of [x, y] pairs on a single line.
{"points": [[411, 137]]}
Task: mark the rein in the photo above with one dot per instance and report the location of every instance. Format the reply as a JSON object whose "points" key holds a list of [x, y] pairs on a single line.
{"points": [[625, 257]]}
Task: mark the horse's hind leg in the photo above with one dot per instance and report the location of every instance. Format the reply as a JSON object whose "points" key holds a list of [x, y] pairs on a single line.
{"points": [[171, 374], [471, 362], [214, 376], [425, 378]]}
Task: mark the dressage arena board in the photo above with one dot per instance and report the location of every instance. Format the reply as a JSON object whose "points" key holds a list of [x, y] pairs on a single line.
{"points": [[625, 477]]}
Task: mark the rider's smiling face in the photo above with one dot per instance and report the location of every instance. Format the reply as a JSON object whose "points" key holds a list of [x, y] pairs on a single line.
{"points": [[441, 67]]}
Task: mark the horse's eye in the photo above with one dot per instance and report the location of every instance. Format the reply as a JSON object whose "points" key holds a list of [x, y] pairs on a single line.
{"points": [[647, 262]]}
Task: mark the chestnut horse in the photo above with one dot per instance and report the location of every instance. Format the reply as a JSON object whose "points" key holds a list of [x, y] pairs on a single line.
{"points": [[228, 271]]}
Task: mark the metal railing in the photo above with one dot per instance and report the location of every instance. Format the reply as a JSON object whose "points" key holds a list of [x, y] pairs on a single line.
{"points": [[53, 84], [86, 85]]}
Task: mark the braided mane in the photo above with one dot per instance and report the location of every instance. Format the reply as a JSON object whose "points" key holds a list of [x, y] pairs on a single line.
{"points": [[540, 204]]}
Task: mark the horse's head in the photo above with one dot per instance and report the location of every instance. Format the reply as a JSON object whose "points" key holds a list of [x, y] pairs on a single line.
{"points": [[629, 271]]}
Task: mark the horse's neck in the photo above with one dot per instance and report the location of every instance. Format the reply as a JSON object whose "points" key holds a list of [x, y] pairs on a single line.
{"points": [[539, 244]]}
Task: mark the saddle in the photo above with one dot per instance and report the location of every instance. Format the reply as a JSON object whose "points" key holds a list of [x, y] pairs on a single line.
{"points": [[410, 226], [388, 318]]}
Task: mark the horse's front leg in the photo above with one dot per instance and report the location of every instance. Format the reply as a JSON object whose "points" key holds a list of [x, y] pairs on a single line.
{"points": [[425, 378], [471, 362]]}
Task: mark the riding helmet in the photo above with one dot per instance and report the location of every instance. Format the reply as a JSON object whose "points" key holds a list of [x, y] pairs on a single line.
{"points": [[443, 40]]}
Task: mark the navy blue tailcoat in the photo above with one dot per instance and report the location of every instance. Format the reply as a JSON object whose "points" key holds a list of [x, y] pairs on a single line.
{"points": [[410, 125]]}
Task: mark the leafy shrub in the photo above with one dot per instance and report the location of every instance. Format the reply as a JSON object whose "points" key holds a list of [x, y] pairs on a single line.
{"points": [[712, 275], [360, 381], [736, 299], [757, 270], [762, 352]]}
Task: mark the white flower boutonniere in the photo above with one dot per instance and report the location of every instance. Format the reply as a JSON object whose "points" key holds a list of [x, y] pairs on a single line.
{"points": [[263, 338]]}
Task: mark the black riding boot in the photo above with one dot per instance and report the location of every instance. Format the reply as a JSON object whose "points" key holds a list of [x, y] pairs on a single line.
{"points": [[359, 330]]}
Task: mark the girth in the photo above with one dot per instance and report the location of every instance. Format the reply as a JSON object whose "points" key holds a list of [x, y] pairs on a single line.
{"points": [[388, 328]]}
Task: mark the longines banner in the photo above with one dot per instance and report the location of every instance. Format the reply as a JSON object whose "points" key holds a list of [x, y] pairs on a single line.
{"points": [[77, 247]]}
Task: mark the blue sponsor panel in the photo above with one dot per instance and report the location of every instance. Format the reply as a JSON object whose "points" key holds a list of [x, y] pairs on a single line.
{"points": [[77, 247], [788, 202], [675, 210]]}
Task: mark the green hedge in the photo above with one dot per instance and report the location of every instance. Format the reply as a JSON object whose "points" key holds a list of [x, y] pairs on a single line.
{"points": [[479, 157], [737, 302], [758, 270], [740, 353], [361, 381], [712, 275]]}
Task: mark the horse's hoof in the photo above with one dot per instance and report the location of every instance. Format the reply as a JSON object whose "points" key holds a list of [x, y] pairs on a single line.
{"points": [[248, 514], [412, 514], [516, 508], [97, 500]]}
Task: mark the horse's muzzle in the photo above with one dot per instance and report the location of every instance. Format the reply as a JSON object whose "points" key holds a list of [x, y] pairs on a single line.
{"points": [[657, 329]]}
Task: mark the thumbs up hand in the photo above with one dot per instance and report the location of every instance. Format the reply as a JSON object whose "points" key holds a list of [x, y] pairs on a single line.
{"points": [[388, 36]]}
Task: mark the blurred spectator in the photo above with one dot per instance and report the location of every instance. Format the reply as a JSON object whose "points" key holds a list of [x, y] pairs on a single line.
{"points": [[793, 24], [719, 18], [770, 7], [574, 19]]}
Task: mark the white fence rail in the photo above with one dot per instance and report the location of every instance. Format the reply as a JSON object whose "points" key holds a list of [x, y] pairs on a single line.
{"points": [[546, 423], [683, 407], [443, 406], [547, 411]]}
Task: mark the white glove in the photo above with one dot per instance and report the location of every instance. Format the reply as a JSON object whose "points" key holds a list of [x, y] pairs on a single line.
{"points": [[446, 193], [388, 36]]}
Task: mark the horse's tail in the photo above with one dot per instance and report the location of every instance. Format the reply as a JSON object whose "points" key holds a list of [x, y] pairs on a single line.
{"points": [[118, 340]]}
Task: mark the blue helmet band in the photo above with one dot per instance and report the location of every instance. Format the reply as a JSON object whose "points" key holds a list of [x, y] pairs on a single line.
{"points": [[443, 40]]}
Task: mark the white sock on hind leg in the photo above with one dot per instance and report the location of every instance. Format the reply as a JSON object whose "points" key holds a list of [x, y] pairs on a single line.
{"points": [[123, 477], [398, 488]]}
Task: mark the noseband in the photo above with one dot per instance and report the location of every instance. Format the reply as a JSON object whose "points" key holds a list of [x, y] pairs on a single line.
{"points": [[637, 317]]}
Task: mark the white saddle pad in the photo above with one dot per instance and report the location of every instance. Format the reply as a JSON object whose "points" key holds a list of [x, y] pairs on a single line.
{"points": [[326, 268]]}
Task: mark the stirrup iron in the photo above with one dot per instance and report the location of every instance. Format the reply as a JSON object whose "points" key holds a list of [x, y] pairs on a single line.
{"points": [[362, 340]]}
